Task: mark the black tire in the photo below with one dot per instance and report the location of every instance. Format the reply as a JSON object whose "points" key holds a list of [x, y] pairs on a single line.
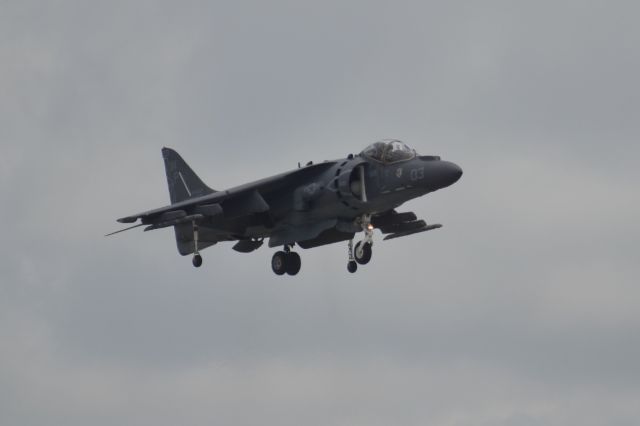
{"points": [[293, 263], [197, 261], [366, 253], [352, 266], [279, 262]]}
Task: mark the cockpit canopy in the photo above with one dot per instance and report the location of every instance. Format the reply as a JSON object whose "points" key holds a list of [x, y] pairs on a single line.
{"points": [[388, 151]]}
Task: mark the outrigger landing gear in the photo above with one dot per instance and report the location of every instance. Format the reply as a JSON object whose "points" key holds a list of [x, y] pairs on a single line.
{"points": [[286, 261], [197, 259]]}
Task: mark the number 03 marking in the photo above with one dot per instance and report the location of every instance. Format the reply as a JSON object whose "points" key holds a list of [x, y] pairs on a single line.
{"points": [[417, 174]]}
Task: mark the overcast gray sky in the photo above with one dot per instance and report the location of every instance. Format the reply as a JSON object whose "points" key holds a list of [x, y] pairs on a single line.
{"points": [[523, 310]]}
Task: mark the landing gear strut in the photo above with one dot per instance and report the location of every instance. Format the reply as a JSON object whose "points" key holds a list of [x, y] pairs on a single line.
{"points": [[286, 261], [197, 259]]}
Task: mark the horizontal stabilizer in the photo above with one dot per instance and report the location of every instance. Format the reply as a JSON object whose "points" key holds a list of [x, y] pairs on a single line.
{"points": [[128, 219], [411, 232], [174, 222], [209, 210]]}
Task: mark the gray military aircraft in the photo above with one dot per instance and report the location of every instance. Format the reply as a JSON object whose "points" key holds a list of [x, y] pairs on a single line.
{"points": [[311, 206]]}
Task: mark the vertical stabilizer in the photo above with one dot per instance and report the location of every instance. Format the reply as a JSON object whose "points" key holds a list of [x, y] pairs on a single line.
{"points": [[183, 182]]}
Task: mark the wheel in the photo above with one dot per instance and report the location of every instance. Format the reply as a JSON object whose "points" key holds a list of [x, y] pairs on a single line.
{"points": [[279, 262], [293, 263], [362, 252], [197, 260], [352, 266]]}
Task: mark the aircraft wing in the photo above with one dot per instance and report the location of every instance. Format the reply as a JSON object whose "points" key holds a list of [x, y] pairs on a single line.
{"points": [[239, 201], [401, 224]]}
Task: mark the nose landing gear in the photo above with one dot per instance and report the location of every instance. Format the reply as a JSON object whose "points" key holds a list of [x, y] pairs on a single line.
{"points": [[363, 250], [352, 266]]}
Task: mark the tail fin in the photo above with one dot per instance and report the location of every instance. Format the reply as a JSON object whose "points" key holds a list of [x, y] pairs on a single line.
{"points": [[183, 182]]}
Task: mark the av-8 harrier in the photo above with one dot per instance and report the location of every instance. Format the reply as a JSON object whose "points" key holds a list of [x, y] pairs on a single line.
{"points": [[311, 206]]}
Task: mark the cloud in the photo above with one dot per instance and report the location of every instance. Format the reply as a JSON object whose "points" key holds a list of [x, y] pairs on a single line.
{"points": [[522, 310]]}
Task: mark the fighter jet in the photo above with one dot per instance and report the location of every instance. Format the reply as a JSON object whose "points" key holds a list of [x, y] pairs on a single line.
{"points": [[311, 206]]}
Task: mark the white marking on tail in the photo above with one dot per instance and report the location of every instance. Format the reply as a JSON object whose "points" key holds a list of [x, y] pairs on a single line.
{"points": [[184, 183]]}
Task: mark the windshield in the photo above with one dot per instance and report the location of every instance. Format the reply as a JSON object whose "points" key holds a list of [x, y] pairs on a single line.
{"points": [[389, 151]]}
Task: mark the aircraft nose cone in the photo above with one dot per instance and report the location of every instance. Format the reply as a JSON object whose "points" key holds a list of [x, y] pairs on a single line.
{"points": [[453, 172], [456, 171]]}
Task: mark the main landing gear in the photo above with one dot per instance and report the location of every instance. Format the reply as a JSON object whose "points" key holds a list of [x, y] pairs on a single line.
{"points": [[363, 250], [286, 261]]}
